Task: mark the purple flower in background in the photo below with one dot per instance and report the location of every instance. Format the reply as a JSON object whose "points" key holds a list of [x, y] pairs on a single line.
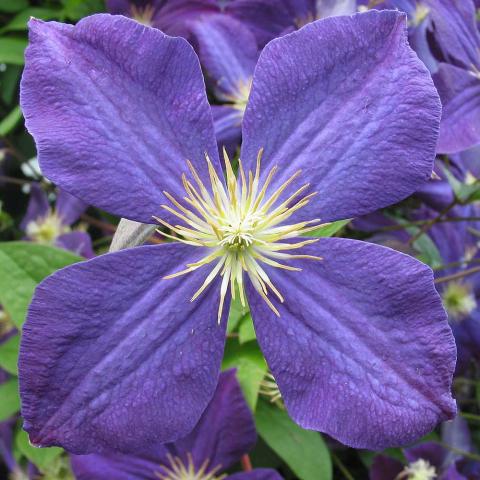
{"points": [[114, 355], [224, 433], [42, 224], [269, 19], [228, 52], [430, 460], [445, 35], [173, 17]]}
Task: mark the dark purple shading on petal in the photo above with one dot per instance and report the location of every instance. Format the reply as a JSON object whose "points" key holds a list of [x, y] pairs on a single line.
{"points": [[113, 357], [226, 430], [228, 52], [77, 242], [228, 127], [432, 452], [256, 474], [459, 91], [224, 433], [38, 206], [362, 349], [348, 102], [455, 33], [115, 108], [385, 468], [118, 467], [69, 208]]}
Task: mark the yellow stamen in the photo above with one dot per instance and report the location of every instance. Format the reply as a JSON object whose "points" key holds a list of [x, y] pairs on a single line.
{"points": [[241, 226]]}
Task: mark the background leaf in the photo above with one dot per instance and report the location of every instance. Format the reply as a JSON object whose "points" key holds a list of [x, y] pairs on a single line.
{"points": [[304, 451], [42, 457], [9, 354], [22, 266], [10, 401], [11, 50]]}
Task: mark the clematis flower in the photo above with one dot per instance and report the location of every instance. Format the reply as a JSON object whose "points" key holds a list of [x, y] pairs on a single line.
{"points": [[457, 283], [171, 16], [269, 19], [125, 349], [430, 460], [225, 432], [42, 224], [228, 53]]}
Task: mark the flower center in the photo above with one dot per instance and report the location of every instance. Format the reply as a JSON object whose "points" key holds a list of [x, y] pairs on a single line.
{"points": [[178, 470], [143, 15], [418, 470], [459, 300], [46, 229], [241, 227]]}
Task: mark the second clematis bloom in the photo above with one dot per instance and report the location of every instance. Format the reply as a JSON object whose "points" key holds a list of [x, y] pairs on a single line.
{"points": [[125, 349]]}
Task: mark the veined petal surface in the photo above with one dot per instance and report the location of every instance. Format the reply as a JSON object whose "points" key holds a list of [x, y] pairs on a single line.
{"points": [[362, 349], [114, 357], [116, 109], [347, 101]]}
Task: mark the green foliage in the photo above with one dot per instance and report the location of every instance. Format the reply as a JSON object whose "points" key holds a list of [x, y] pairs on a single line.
{"points": [[464, 192], [44, 458], [329, 229], [304, 451], [19, 21], [10, 121], [13, 6], [22, 266], [251, 367], [11, 50], [77, 9], [10, 401], [9, 354]]}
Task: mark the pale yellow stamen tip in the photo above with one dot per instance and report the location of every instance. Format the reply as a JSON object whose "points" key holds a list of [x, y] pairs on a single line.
{"points": [[241, 226]]}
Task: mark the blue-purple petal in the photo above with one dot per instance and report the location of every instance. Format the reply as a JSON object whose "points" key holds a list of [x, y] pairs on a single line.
{"points": [[116, 109], [362, 349], [114, 357], [348, 102]]}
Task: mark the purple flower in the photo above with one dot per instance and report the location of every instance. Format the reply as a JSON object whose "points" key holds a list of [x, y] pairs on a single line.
{"points": [[124, 350], [224, 433], [430, 460], [171, 16], [42, 224], [269, 19]]}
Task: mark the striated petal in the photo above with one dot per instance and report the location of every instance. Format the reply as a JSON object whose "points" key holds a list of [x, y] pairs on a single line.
{"points": [[115, 108], [459, 91], [113, 357], [362, 349], [69, 208], [228, 51], [346, 100]]}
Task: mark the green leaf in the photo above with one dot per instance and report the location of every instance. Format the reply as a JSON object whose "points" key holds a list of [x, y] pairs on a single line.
{"points": [[9, 354], [11, 50], [19, 21], [465, 192], [328, 229], [22, 266], [77, 9], [12, 6], [237, 312], [10, 121], [10, 400], [250, 365], [246, 331], [41, 457], [304, 451]]}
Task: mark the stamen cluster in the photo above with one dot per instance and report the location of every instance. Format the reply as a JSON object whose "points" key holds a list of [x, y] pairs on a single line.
{"points": [[177, 470], [241, 226]]}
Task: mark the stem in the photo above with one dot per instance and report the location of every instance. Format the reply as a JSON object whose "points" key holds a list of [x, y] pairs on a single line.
{"points": [[14, 181], [463, 453], [338, 463], [246, 463], [457, 275], [431, 223], [98, 223], [456, 264], [470, 416]]}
